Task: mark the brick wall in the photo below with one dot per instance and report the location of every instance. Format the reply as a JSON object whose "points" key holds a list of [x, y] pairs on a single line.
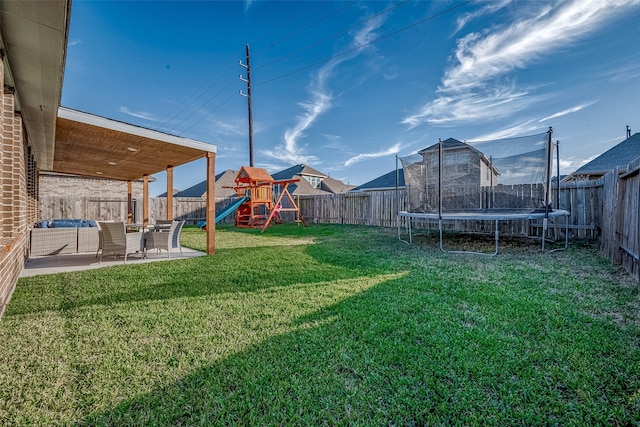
{"points": [[17, 187]]}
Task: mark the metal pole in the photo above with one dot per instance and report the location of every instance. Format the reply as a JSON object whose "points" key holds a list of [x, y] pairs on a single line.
{"points": [[397, 199], [248, 95], [490, 203], [440, 178], [547, 195], [558, 174]]}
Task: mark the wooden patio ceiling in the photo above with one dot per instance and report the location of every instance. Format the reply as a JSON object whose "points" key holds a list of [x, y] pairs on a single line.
{"points": [[94, 146]]}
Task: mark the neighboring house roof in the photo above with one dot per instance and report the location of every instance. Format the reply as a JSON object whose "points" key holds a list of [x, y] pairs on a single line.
{"points": [[451, 143], [335, 186], [199, 190], [619, 156], [300, 169], [447, 143], [328, 185], [304, 188], [384, 182]]}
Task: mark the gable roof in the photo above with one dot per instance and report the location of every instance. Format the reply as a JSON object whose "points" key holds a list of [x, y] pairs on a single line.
{"points": [[449, 143], [328, 185], [335, 186], [300, 169], [304, 188], [619, 155], [384, 182]]}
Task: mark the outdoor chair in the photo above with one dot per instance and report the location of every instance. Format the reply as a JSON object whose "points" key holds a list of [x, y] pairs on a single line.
{"points": [[115, 240], [163, 224], [162, 240]]}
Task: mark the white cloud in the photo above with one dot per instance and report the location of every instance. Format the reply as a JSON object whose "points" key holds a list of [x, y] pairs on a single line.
{"points": [[565, 112], [572, 164], [140, 115], [360, 157], [500, 101], [220, 127], [516, 130], [286, 157], [321, 99], [623, 74], [484, 60], [487, 8]]}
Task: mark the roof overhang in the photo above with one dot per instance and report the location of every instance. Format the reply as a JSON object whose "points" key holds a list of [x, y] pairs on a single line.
{"points": [[34, 39], [95, 146]]}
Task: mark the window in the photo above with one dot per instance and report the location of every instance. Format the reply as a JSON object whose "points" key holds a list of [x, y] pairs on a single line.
{"points": [[313, 180]]}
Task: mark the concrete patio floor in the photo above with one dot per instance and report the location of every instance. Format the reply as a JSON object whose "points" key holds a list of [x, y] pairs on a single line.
{"points": [[77, 262]]}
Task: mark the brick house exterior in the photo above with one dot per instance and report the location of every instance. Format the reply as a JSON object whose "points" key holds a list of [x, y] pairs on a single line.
{"points": [[19, 190]]}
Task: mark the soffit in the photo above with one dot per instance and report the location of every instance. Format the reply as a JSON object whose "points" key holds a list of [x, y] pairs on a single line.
{"points": [[34, 37], [95, 146]]}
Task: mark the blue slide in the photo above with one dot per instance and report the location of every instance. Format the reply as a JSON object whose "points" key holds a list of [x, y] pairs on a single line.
{"points": [[229, 209]]}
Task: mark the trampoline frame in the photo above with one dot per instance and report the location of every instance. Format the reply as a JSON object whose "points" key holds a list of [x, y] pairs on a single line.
{"points": [[494, 215]]}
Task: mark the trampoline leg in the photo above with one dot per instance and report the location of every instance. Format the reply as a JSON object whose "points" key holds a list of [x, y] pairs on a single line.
{"points": [[408, 227], [544, 232], [440, 228], [566, 237], [497, 238]]}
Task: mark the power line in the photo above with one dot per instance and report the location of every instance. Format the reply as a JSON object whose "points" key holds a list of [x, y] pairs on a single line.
{"points": [[190, 100], [205, 104], [233, 95], [182, 106], [314, 24]]}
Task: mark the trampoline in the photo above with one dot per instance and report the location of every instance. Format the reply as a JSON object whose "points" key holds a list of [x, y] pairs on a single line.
{"points": [[486, 181]]}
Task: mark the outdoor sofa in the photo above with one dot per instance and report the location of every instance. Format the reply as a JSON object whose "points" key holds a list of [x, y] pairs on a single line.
{"points": [[64, 236]]}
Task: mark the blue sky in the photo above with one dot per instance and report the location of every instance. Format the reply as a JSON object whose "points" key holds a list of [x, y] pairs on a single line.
{"points": [[346, 86]]}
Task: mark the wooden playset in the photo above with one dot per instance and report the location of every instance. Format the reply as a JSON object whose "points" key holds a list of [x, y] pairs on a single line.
{"points": [[259, 207]]}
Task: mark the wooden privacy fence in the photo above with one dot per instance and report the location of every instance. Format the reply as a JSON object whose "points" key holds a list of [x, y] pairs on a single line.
{"points": [[87, 207], [379, 209], [190, 209], [619, 209]]}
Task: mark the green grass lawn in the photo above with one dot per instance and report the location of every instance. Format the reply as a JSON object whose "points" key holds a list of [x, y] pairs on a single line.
{"points": [[327, 325]]}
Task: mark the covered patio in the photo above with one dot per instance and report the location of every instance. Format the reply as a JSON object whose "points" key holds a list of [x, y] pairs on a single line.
{"points": [[93, 146]]}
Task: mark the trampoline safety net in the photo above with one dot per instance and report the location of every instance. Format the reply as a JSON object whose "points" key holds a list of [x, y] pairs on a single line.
{"points": [[483, 176]]}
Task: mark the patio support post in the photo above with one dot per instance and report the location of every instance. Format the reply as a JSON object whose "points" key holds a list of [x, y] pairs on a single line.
{"points": [[145, 200], [170, 193], [211, 203], [129, 203]]}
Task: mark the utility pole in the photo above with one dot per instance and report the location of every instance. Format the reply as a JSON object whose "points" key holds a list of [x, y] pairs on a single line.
{"points": [[248, 96]]}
